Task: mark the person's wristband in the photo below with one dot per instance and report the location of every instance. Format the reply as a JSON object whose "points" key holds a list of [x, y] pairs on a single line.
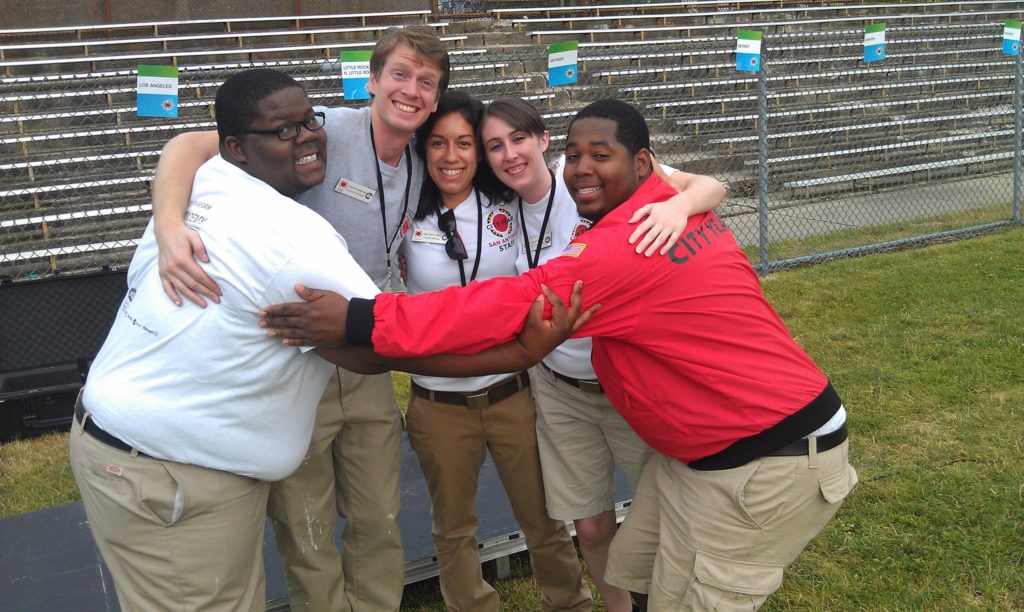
{"points": [[359, 322]]}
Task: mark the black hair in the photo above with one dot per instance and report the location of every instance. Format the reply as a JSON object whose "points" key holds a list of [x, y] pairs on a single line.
{"points": [[631, 128], [484, 180], [238, 98]]}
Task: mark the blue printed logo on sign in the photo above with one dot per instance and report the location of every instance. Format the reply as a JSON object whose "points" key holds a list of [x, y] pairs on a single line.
{"points": [[874, 53], [562, 75]]}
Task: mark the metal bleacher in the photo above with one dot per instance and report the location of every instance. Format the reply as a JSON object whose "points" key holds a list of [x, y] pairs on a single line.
{"points": [[831, 116], [71, 148]]}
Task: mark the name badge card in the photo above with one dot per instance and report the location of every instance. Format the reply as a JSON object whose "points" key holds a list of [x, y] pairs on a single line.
{"points": [[156, 91], [354, 190], [874, 42], [355, 74], [430, 236], [748, 51], [533, 243]]}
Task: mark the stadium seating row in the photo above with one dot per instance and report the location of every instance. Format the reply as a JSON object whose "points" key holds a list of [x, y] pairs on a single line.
{"points": [[76, 162]]}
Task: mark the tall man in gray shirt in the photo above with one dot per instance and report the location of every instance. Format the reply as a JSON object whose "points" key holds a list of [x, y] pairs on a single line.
{"points": [[353, 466]]}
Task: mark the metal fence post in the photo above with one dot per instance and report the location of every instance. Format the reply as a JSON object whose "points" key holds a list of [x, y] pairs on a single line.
{"points": [[1018, 134], [762, 166]]}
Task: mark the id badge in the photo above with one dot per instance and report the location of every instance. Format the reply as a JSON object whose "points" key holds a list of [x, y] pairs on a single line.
{"points": [[355, 190], [429, 236], [545, 243]]}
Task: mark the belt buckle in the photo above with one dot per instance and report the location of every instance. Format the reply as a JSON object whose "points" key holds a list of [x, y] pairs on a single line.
{"points": [[590, 386], [479, 400]]}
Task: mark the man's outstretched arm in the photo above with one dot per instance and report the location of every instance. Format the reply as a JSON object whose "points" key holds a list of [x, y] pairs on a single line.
{"points": [[539, 337], [319, 320]]}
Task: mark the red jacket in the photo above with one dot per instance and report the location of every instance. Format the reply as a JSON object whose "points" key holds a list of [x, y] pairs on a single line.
{"points": [[686, 345]]}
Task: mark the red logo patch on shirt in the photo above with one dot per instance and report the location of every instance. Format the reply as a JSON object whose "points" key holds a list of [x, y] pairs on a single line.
{"points": [[581, 226], [499, 222]]}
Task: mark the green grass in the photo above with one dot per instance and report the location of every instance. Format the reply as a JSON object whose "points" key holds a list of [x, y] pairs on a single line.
{"points": [[926, 347], [35, 473]]}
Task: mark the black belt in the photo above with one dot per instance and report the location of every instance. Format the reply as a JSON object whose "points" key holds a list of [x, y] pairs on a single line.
{"points": [[476, 399], [95, 431], [588, 386], [800, 447]]}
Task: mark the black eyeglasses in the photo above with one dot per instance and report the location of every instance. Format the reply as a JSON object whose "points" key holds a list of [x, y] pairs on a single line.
{"points": [[453, 246], [290, 131]]}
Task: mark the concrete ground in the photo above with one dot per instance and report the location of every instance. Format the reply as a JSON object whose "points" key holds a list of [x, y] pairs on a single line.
{"points": [[791, 218]]}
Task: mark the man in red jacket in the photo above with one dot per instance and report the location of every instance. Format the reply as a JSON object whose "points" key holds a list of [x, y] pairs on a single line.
{"points": [[750, 437]]}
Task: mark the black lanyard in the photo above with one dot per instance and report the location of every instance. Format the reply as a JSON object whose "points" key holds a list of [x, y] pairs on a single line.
{"points": [[479, 239], [534, 261], [383, 206]]}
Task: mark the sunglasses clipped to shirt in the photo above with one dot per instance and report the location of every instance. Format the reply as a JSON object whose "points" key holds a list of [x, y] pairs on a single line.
{"points": [[453, 246], [290, 131]]}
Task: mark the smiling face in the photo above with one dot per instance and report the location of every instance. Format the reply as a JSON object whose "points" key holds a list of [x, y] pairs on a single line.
{"points": [[405, 91], [289, 166], [517, 158], [451, 156], [600, 172]]}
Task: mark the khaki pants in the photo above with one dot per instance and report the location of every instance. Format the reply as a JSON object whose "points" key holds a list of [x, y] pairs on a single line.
{"points": [[352, 471], [581, 437], [720, 539], [450, 442], [175, 536]]}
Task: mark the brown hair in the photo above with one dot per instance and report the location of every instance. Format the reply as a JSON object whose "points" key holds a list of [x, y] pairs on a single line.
{"points": [[516, 112], [422, 40]]}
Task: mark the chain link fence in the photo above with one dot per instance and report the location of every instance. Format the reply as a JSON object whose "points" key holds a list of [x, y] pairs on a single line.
{"points": [[823, 154]]}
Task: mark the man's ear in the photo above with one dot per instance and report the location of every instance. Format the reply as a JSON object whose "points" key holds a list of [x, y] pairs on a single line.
{"points": [[371, 85], [236, 150], [644, 163]]}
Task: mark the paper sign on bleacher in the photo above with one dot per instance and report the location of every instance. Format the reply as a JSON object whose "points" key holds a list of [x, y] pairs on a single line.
{"points": [[355, 74], [874, 42], [562, 59], [748, 51], [157, 91], [1011, 37]]}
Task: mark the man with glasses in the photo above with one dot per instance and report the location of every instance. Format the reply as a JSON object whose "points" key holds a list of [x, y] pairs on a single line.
{"points": [[354, 461], [188, 412]]}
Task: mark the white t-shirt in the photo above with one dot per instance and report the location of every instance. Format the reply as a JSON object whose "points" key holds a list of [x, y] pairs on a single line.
{"points": [[572, 357], [430, 268], [206, 386]]}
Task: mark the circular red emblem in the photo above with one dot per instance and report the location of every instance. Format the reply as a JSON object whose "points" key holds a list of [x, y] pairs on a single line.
{"points": [[500, 222]]}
